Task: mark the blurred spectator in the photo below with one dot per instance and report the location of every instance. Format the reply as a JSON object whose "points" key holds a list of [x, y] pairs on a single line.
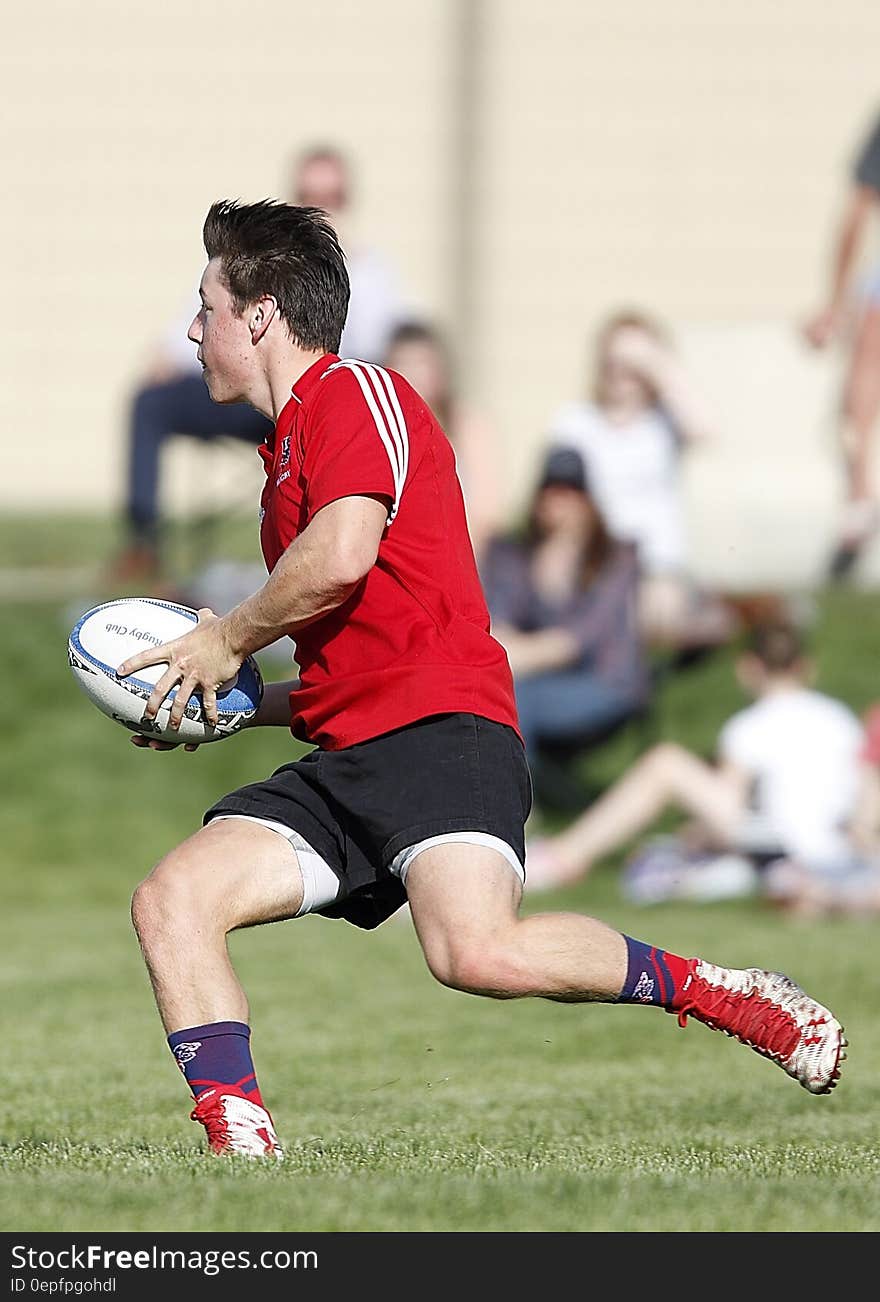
{"points": [[851, 885], [788, 782], [630, 432], [563, 604], [418, 352], [323, 180], [173, 399], [860, 322]]}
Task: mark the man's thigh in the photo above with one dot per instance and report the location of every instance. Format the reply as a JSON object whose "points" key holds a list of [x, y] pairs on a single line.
{"points": [[461, 896], [237, 869]]}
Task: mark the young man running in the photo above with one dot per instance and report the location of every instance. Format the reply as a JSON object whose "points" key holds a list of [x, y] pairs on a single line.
{"points": [[417, 788]]}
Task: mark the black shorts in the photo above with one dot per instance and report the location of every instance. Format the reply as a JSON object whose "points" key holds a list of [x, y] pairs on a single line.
{"points": [[360, 808]]}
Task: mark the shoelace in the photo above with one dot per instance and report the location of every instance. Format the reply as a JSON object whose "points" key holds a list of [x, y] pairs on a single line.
{"points": [[210, 1113], [751, 1018]]}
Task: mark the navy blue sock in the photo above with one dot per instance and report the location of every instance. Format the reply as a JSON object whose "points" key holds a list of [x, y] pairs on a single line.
{"points": [[219, 1052], [653, 975]]}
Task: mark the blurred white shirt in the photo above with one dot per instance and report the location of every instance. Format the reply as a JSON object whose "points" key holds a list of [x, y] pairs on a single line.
{"points": [[802, 750], [633, 473]]}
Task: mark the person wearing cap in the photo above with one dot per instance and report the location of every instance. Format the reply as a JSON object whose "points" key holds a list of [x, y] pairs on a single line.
{"points": [[564, 603]]}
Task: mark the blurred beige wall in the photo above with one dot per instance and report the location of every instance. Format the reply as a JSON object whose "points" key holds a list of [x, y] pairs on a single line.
{"points": [[686, 156]]}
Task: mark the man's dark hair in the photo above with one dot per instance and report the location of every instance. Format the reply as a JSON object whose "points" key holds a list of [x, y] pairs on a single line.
{"points": [[778, 646], [289, 252]]}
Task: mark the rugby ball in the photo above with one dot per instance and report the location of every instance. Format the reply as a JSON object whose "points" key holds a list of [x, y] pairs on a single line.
{"points": [[110, 633]]}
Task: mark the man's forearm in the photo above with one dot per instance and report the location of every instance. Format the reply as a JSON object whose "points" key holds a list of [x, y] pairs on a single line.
{"points": [[318, 572], [299, 590]]}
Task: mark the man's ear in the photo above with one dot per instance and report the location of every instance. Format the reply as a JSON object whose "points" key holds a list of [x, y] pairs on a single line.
{"points": [[260, 316]]}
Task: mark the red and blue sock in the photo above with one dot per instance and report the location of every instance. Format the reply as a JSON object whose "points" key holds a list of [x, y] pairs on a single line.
{"points": [[653, 976], [219, 1053]]}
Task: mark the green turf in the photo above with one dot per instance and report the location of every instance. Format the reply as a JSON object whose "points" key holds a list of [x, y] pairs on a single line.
{"points": [[404, 1106]]}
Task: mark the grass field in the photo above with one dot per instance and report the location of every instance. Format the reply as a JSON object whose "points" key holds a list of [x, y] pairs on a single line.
{"points": [[404, 1106]]}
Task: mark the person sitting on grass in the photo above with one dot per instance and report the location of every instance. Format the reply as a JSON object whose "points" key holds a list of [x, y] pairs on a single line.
{"points": [[850, 885], [787, 782], [564, 605]]}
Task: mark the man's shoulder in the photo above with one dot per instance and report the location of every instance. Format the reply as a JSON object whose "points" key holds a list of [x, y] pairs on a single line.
{"points": [[352, 395], [349, 384], [347, 377]]}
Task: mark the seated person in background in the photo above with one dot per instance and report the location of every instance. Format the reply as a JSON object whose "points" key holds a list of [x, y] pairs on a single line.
{"points": [[850, 884], [418, 352], [173, 398], [563, 604], [630, 432], [788, 782]]}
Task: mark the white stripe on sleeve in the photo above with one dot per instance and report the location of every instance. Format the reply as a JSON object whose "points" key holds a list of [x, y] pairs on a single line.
{"points": [[398, 415], [375, 383]]}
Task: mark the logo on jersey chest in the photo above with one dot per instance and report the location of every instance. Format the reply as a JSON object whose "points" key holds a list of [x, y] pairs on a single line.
{"points": [[283, 460]]}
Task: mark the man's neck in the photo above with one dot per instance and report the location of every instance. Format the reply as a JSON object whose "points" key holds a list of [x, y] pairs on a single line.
{"points": [[281, 373]]}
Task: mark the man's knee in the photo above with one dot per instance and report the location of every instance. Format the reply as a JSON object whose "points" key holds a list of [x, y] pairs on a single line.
{"points": [[176, 889], [477, 967]]}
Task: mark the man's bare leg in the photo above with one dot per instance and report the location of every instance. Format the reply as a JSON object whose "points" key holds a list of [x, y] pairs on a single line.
{"points": [[232, 873], [465, 899]]}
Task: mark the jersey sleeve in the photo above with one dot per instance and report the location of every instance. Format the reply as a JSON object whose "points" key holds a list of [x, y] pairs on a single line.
{"points": [[357, 442]]}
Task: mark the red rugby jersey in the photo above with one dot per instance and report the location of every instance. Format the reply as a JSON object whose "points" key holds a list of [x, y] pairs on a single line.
{"points": [[413, 638]]}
